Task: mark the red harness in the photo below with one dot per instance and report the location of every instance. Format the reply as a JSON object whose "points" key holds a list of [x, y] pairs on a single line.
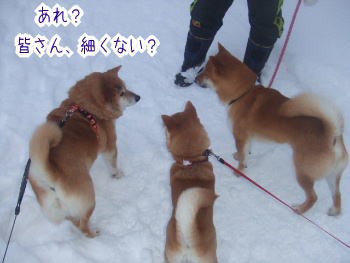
{"points": [[74, 108]]}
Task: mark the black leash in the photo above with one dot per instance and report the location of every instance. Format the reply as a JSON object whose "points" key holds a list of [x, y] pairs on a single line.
{"points": [[19, 201], [240, 96]]}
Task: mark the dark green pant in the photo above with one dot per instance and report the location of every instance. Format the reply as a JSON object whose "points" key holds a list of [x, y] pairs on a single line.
{"points": [[266, 26], [265, 18]]}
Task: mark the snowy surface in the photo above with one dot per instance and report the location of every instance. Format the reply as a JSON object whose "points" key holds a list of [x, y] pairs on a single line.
{"points": [[132, 212]]}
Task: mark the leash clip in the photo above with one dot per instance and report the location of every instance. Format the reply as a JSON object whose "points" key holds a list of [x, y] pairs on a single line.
{"points": [[209, 152], [68, 115]]}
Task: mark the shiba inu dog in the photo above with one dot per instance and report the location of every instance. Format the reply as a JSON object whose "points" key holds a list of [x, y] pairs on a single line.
{"points": [[309, 123], [64, 148], [191, 236]]}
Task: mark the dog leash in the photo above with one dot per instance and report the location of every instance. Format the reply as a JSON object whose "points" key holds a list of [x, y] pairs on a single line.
{"points": [[283, 51], [74, 108], [19, 202], [208, 153]]}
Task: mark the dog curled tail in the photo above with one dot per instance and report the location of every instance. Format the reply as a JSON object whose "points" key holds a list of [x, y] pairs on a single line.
{"points": [[188, 204], [46, 136], [313, 105]]}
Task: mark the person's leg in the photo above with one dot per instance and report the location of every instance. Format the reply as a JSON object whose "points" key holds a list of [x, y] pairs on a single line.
{"points": [[266, 26], [206, 19]]}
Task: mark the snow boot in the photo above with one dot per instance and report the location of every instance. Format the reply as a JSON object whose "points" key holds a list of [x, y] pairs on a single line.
{"points": [[256, 56], [195, 52], [188, 77]]}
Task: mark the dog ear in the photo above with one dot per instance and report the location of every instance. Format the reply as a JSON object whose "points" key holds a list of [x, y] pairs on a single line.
{"points": [[223, 50], [114, 71], [221, 47], [214, 64], [168, 121], [189, 108]]}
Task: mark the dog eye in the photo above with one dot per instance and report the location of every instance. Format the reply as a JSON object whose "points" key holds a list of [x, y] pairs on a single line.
{"points": [[122, 94]]}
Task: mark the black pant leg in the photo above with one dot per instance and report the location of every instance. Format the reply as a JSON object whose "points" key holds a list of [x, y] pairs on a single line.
{"points": [[207, 16], [206, 20], [266, 26], [266, 21]]}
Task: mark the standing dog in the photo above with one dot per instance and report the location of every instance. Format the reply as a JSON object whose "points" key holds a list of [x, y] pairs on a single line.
{"points": [[64, 148], [191, 234], [310, 124]]}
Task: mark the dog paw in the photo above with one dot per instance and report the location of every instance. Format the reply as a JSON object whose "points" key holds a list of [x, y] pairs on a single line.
{"points": [[333, 211], [118, 174], [236, 174], [297, 208], [300, 209], [242, 166], [92, 233]]}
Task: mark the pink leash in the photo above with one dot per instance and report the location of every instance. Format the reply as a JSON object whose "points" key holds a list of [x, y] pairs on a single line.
{"points": [[283, 51], [210, 153]]}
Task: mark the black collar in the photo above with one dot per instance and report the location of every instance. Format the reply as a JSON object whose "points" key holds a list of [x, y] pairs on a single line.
{"points": [[187, 161], [190, 162], [240, 96]]}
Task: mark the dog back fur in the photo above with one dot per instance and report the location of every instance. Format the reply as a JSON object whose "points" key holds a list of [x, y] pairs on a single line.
{"points": [[191, 233], [188, 205], [313, 105]]}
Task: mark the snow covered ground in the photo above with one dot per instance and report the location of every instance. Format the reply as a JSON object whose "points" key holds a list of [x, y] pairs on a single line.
{"points": [[132, 212]]}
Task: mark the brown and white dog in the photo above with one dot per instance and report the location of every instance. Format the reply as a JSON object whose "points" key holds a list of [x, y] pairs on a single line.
{"points": [[62, 156], [191, 233], [309, 123]]}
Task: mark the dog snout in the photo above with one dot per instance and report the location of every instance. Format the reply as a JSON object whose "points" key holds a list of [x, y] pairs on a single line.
{"points": [[137, 98], [200, 82]]}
